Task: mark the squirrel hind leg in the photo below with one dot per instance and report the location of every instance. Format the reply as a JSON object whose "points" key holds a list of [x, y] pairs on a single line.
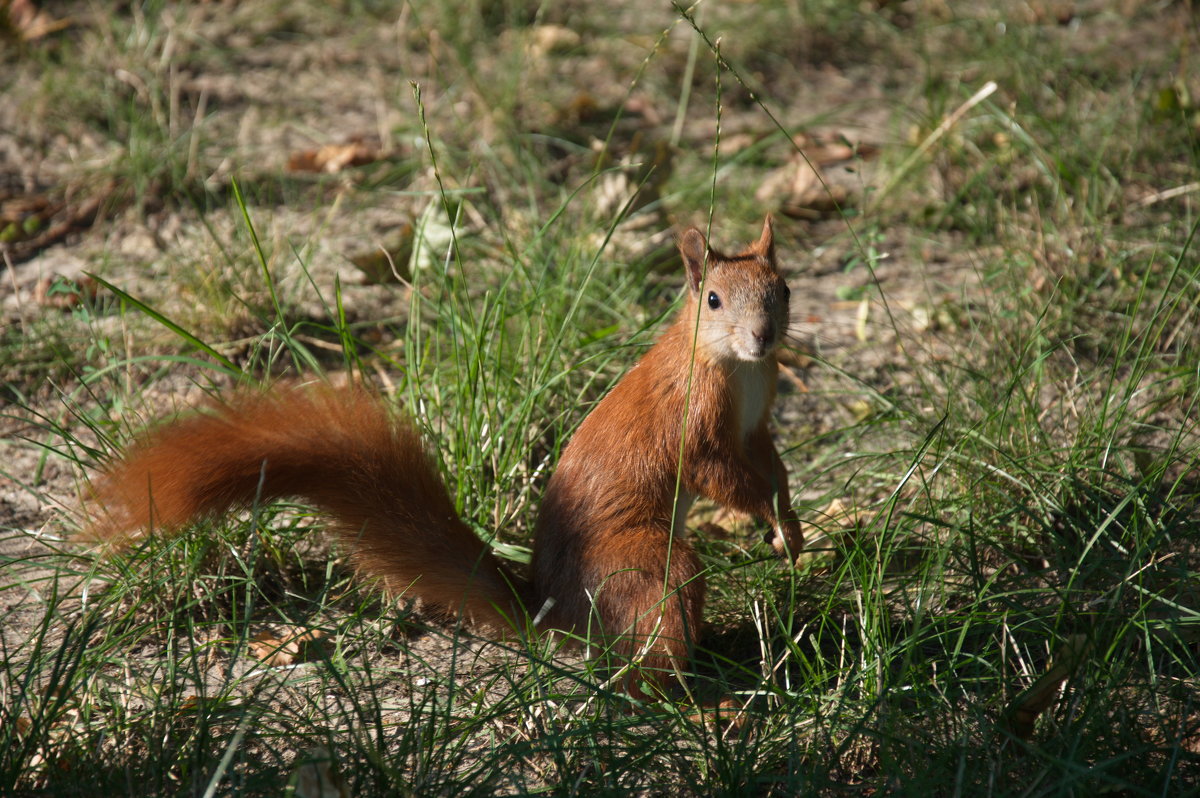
{"points": [[653, 622]]}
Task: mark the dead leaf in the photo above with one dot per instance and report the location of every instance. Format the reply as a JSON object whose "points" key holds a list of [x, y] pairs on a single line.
{"points": [[547, 40], [861, 316], [922, 318], [823, 152], [713, 530], [1024, 710], [279, 648], [735, 143], [725, 716], [17, 209], [388, 261], [1045, 12], [860, 409], [800, 190], [791, 183], [837, 520], [29, 22], [841, 514], [796, 358], [30, 222], [826, 148], [55, 291], [50, 752], [789, 374], [317, 775], [731, 519], [1175, 727], [636, 180], [333, 158]]}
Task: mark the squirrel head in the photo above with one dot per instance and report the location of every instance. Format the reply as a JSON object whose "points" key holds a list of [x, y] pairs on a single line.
{"points": [[743, 300]]}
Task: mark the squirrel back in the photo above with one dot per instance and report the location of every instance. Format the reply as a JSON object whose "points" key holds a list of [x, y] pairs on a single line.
{"points": [[609, 562]]}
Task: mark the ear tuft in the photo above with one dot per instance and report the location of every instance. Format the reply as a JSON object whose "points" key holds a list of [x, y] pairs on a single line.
{"points": [[765, 246], [693, 248]]}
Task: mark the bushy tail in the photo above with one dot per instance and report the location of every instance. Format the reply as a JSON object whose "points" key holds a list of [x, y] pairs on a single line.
{"points": [[338, 448]]}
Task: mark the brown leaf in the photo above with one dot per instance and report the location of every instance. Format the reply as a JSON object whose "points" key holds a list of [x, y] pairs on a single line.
{"points": [[796, 358], [30, 23], [317, 775], [729, 518], [52, 751], [736, 142], [713, 530], [840, 513], [388, 260], [547, 40], [725, 716], [30, 223], [17, 209], [799, 189], [789, 374], [333, 158], [55, 291], [1024, 710], [824, 149], [860, 409], [793, 182], [282, 648]]}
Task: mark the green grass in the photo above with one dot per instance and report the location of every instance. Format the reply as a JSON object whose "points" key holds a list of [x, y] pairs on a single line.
{"points": [[1023, 460]]}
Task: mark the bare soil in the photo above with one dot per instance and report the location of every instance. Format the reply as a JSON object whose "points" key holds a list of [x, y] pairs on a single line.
{"points": [[260, 87]]}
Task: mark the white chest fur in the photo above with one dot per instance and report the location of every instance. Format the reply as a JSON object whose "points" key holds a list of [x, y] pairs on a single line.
{"points": [[751, 392]]}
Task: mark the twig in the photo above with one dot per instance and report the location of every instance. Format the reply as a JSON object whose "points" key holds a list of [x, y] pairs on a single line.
{"points": [[1170, 193], [939, 131]]}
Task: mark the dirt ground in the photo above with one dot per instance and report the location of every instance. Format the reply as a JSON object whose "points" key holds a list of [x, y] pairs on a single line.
{"points": [[267, 88], [257, 93], [279, 97]]}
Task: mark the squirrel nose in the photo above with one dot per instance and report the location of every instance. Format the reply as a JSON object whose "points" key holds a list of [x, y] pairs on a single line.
{"points": [[764, 334]]}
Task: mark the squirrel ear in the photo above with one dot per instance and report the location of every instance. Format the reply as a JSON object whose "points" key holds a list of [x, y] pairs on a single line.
{"points": [[765, 246], [693, 248]]}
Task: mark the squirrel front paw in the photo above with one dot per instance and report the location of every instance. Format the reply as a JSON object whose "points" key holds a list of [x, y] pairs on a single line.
{"points": [[787, 539]]}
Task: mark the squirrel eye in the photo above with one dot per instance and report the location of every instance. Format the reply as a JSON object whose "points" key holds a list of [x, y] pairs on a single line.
{"points": [[714, 301]]}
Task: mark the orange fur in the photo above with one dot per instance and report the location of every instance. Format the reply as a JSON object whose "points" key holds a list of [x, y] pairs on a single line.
{"points": [[339, 449], [690, 419]]}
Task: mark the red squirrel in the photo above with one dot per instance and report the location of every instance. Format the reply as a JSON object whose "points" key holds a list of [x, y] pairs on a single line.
{"points": [[609, 559]]}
